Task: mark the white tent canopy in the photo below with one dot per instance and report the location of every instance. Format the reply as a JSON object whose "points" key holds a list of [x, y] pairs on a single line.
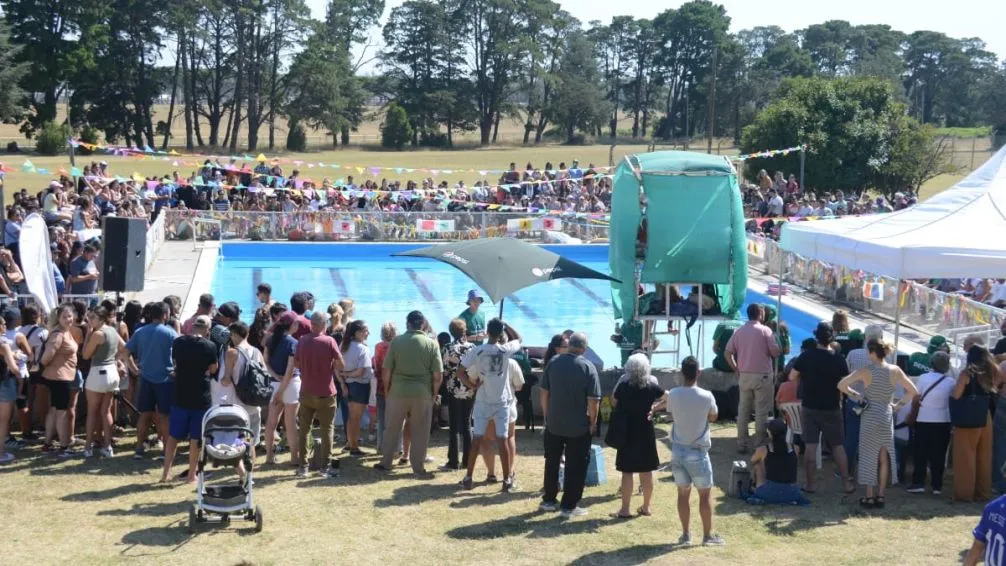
{"points": [[960, 232]]}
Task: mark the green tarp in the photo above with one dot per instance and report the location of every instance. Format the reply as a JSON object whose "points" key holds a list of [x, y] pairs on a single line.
{"points": [[695, 226]]}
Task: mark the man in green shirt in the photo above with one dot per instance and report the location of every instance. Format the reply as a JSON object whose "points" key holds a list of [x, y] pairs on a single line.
{"points": [[721, 336], [412, 372], [475, 321]]}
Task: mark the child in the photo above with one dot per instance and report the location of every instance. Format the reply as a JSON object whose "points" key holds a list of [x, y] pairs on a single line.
{"points": [[775, 469]]}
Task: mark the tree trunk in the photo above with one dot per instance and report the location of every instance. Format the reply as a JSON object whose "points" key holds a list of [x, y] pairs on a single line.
{"points": [[344, 134], [239, 81], [186, 96], [496, 127], [570, 130], [174, 90]]}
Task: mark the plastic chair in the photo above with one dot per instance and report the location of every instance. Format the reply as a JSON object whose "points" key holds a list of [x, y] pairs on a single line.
{"points": [[792, 412]]}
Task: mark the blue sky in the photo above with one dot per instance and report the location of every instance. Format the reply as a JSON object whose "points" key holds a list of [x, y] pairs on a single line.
{"points": [[961, 18]]}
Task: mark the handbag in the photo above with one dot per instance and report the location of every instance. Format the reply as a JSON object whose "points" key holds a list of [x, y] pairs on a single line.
{"points": [[913, 414], [971, 410], [617, 434]]}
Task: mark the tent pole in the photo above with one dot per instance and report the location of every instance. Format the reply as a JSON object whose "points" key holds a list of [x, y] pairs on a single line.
{"points": [[501, 308], [897, 320], [778, 306]]}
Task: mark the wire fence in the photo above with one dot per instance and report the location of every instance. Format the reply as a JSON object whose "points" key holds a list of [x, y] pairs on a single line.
{"points": [[952, 315]]}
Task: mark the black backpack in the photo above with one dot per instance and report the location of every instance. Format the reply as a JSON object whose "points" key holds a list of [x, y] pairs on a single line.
{"points": [[255, 386]]}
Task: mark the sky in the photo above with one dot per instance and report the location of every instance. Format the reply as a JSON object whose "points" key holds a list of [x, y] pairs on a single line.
{"points": [[961, 18]]}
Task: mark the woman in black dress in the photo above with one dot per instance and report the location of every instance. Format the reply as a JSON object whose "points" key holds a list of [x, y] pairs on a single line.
{"points": [[636, 395]]}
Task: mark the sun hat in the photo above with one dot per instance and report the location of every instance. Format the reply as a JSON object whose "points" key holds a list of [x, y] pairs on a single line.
{"points": [[475, 294]]}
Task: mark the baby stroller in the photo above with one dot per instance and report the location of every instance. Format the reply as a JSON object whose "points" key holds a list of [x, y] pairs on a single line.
{"points": [[226, 438]]}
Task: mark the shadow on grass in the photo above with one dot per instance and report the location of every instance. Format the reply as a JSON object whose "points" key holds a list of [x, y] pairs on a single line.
{"points": [[111, 493], [149, 510], [535, 524], [170, 538], [629, 556]]}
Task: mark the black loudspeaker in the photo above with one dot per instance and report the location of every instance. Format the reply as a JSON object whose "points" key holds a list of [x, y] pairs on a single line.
{"points": [[123, 254]]}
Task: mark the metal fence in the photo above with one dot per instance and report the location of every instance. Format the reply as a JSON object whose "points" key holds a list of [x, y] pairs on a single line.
{"points": [[934, 312], [378, 226]]}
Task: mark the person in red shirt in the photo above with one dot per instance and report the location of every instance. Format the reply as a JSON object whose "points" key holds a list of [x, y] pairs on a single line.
{"points": [[318, 359]]}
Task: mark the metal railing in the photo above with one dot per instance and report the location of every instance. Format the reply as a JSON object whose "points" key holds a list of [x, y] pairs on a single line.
{"points": [[952, 315], [376, 226]]}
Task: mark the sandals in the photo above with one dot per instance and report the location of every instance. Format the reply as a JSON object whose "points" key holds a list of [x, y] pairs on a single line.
{"points": [[619, 516], [867, 502], [643, 513], [878, 502]]}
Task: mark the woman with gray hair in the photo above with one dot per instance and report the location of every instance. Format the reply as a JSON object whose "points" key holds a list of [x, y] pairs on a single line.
{"points": [[635, 395], [932, 424]]}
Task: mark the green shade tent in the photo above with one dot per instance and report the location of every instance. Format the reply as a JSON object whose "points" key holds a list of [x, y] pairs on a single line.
{"points": [[694, 227]]}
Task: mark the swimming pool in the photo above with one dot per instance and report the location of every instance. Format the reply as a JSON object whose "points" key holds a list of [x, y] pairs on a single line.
{"points": [[386, 289]]}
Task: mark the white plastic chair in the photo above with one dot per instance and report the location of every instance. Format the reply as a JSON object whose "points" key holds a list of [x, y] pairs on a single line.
{"points": [[792, 411]]}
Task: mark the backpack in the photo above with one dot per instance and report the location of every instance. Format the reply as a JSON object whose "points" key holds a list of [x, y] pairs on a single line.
{"points": [[255, 386], [740, 480]]}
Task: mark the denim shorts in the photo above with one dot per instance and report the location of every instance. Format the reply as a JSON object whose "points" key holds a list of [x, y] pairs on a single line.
{"points": [[8, 389], [691, 467], [359, 393]]}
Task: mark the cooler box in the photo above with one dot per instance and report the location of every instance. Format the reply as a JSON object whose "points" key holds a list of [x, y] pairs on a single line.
{"points": [[596, 470]]}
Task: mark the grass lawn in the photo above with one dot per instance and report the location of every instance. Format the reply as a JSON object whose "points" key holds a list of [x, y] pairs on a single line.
{"points": [[111, 512]]}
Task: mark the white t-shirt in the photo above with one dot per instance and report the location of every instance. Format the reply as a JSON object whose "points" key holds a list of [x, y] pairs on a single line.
{"points": [[356, 357], [36, 338], [935, 408], [491, 362], [22, 360], [515, 380]]}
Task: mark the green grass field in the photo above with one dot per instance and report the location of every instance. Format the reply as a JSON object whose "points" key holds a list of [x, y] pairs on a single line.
{"points": [[112, 512]]}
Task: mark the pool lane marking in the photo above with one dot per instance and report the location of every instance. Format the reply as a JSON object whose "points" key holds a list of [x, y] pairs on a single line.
{"points": [[340, 284], [256, 281], [586, 291], [528, 312], [425, 293]]}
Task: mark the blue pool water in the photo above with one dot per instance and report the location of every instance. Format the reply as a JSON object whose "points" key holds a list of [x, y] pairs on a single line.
{"points": [[385, 288]]}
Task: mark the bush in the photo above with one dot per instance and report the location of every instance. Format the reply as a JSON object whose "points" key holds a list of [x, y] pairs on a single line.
{"points": [[396, 130], [296, 140], [433, 138], [88, 134], [52, 138]]}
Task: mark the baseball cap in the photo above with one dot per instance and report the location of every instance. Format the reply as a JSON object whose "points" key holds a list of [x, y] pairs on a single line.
{"points": [[11, 316], [473, 295], [936, 342], [201, 321]]}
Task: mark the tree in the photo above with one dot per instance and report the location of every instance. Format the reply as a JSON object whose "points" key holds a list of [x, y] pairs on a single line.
{"points": [[640, 99], [829, 46], [913, 156], [578, 103], [324, 94], [12, 97], [396, 130], [849, 123]]}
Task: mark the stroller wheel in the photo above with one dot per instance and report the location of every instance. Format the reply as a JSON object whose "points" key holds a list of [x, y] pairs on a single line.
{"points": [[225, 520], [258, 519], [192, 520]]}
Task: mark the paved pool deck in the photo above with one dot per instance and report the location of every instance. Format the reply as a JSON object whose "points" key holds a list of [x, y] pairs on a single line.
{"points": [[182, 270]]}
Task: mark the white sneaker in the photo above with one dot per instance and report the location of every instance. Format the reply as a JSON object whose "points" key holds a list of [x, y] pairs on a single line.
{"points": [[106, 452], [6, 458], [429, 459], [301, 472], [546, 506], [937, 492], [88, 453], [574, 512]]}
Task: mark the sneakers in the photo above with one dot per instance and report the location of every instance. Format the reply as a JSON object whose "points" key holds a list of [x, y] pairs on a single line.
{"points": [[574, 512], [467, 483], [548, 506], [6, 458], [301, 472], [429, 459], [713, 539], [331, 473], [916, 489], [138, 455], [491, 479], [13, 443], [685, 539], [88, 453], [937, 492], [509, 486], [107, 452], [65, 453]]}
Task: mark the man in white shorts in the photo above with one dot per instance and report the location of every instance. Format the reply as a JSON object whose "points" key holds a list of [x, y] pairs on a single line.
{"points": [[493, 395]]}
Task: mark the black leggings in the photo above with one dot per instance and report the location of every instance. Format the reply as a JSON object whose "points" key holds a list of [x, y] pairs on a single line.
{"points": [[526, 407], [931, 441]]}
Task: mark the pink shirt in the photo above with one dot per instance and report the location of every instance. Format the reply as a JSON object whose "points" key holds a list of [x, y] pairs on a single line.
{"points": [[753, 346]]}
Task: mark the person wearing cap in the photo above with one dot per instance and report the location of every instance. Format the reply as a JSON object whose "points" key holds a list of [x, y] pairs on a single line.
{"points": [[205, 308], [195, 359], [151, 346], [412, 372], [475, 321], [226, 315], [83, 278]]}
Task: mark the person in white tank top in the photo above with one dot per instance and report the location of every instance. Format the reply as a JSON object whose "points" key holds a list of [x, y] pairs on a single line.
{"points": [[234, 362]]}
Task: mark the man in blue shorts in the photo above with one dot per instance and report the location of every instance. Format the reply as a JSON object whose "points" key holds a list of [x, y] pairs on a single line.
{"points": [[990, 535], [195, 366], [150, 348], [692, 409]]}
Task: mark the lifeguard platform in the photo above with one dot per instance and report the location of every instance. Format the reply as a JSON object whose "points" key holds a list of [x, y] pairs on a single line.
{"points": [[677, 244]]}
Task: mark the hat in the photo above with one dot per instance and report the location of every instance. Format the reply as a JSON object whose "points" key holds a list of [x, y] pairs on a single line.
{"points": [[856, 335], [473, 295], [935, 343], [201, 321], [230, 310], [769, 312], [55, 185]]}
